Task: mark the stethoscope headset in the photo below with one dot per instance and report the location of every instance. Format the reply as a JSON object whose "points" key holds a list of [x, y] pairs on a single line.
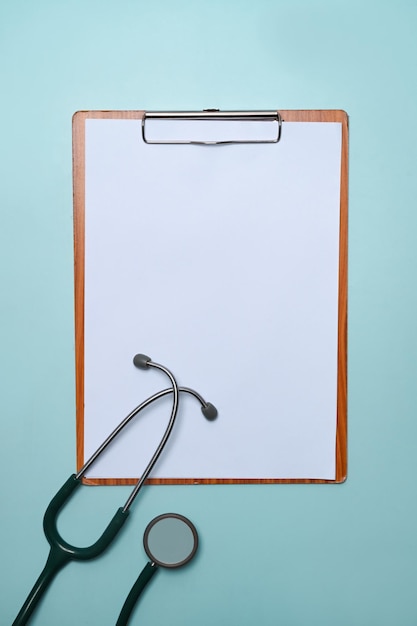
{"points": [[61, 552]]}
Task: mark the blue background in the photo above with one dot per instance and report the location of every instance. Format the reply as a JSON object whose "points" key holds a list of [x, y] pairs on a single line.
{"points": [[270, 554]]}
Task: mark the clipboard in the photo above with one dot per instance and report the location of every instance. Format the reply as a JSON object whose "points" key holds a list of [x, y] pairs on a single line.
{"points": [[215, 242]]}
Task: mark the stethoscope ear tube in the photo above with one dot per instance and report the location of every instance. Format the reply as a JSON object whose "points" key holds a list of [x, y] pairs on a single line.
{"points": [[142, 362]]}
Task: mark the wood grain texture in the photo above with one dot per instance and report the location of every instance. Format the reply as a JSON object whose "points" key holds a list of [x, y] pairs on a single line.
{"points": [[79, 259]]}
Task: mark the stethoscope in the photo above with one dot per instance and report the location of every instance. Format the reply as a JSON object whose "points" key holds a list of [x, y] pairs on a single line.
{"points": [[61, 552]]}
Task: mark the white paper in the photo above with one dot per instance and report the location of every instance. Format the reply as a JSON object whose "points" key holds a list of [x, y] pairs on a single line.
{"points": [[220, 262]]}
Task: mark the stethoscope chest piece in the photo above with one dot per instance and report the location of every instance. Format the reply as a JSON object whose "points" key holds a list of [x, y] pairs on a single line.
{"points": [[170, 541]]}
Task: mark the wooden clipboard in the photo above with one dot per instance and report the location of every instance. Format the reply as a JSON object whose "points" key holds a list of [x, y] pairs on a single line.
{"points": [[87, 182]]}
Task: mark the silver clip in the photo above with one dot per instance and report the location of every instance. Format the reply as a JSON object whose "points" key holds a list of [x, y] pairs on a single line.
{"points": [[214, 115]]}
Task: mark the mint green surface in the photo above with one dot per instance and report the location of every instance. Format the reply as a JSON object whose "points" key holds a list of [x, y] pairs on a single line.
{"points": [[292, 555]]}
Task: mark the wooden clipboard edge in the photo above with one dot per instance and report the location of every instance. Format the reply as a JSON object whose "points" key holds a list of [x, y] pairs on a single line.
{"points": [[78, 174], [78, 124], [78, 168], [342, 407]]}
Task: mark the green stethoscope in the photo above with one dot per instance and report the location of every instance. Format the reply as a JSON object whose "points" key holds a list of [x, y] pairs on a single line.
{"points": [[61, 552]]}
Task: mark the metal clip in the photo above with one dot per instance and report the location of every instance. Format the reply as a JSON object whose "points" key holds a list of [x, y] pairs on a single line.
{"points": [[214, 115]]}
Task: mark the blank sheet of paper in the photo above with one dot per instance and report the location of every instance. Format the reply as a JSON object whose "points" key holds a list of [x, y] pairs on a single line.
{"points": [[220, 262]]}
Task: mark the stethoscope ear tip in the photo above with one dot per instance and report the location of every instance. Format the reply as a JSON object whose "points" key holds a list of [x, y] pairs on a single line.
{"points": [[209, 411], [141, 361]]}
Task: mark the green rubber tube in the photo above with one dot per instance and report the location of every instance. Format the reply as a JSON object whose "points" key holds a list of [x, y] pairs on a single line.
{"points": [[140, 584], [61, 551]]}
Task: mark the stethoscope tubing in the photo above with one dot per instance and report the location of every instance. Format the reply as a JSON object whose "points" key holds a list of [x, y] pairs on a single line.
{"points": [[128, 418], [61, 552], [144, 577]]}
